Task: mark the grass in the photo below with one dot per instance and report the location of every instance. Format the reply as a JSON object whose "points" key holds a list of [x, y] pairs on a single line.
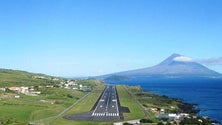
{"points": [[30, 108], [83, 106], [19, 112], [126, 100], [21, 78], [62, 121], [149, 100]]}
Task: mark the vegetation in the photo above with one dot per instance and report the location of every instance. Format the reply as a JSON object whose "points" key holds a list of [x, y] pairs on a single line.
{"points": [[196, 121], [83, 106], [51, 101], [160, 123], [127, 123], [92, 84], [21, 78], [146, 121], [126, 100], [156, 101], [29, 108]]}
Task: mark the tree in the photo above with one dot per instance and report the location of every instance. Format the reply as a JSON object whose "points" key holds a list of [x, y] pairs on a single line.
{"points": [[126, 123], [160, 123], [146, 121]]}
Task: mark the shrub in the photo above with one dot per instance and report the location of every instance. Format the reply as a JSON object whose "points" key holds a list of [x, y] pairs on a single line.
{"points": [[160, 123], [126, 123], [146, 121]]}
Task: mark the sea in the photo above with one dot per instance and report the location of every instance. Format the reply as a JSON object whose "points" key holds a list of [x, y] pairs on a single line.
{"points": [[206, 93]]}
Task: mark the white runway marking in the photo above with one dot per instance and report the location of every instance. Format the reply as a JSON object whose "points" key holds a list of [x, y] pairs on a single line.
{"points": [[107, 105]]}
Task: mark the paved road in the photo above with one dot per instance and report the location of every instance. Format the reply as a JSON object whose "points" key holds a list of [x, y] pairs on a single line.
{"points": [[107, 106]]}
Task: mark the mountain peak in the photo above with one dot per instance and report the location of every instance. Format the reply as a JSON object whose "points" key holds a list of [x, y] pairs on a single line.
{"points": [[175, 55], [176, 58], [183, 59]]}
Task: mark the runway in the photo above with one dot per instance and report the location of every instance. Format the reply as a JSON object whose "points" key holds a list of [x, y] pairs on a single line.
{"points": [[107, 106]]}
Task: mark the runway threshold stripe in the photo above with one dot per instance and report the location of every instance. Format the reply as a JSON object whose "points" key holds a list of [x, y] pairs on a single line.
{"points": [[105, 114]]}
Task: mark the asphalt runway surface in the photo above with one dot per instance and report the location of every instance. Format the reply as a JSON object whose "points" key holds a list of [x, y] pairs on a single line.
{"points": [[107, 108]]}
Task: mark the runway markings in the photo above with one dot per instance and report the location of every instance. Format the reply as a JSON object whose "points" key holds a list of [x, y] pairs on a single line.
{"points": [[107, 105], [105, 114]]}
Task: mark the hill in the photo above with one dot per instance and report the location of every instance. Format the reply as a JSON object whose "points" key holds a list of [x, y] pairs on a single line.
{"points": [[10, 77]]}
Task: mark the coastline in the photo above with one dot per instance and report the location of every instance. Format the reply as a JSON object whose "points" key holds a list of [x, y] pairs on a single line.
{"points": [[185, 107], [193, 98]]}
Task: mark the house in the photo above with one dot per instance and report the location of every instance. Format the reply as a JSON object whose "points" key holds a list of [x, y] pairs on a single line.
{"points": [[173, 117], [162, 111], [2, 89], [184, 115], [14, 88], [74, 88], [20, 89], [17, 96], [154, 110], [49, 86], [24, 89]]}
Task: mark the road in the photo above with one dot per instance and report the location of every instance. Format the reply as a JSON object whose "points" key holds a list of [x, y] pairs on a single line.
{"points": [[107, 106]]}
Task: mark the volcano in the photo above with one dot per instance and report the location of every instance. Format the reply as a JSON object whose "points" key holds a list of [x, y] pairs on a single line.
{"points": [[175, 65]]}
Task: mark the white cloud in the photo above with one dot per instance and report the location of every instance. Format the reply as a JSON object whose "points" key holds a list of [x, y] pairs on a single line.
{"points": [[183, 59]]}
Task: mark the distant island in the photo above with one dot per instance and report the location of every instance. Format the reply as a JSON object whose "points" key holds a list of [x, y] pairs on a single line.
{"points": [[175, 66]]}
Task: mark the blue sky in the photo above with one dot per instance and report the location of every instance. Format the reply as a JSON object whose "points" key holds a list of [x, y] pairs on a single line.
{"points": [[94, 37]]}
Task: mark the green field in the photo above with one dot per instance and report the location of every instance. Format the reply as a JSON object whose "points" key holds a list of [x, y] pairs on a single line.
{"points": [[21, 78], [127, 100], [49, 103], [83, 106], [87, 104], [29, 108]]}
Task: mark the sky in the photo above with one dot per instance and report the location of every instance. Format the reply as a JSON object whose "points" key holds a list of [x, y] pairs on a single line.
{"points": [[95, 37]]}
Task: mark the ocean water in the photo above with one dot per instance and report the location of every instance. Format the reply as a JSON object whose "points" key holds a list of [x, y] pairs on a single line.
{"points": [[207, 93]]}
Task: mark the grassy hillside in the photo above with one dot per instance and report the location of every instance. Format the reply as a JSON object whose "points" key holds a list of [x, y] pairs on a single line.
{"points": [[51, 101], [21, 78], [127, 100], [83, 106]]}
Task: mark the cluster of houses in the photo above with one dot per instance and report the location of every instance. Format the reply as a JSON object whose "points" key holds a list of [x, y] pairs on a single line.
{"points": [[25, 90], [22, 89], [162, 115], [63, 83], [68, 84], [72, 84]]}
